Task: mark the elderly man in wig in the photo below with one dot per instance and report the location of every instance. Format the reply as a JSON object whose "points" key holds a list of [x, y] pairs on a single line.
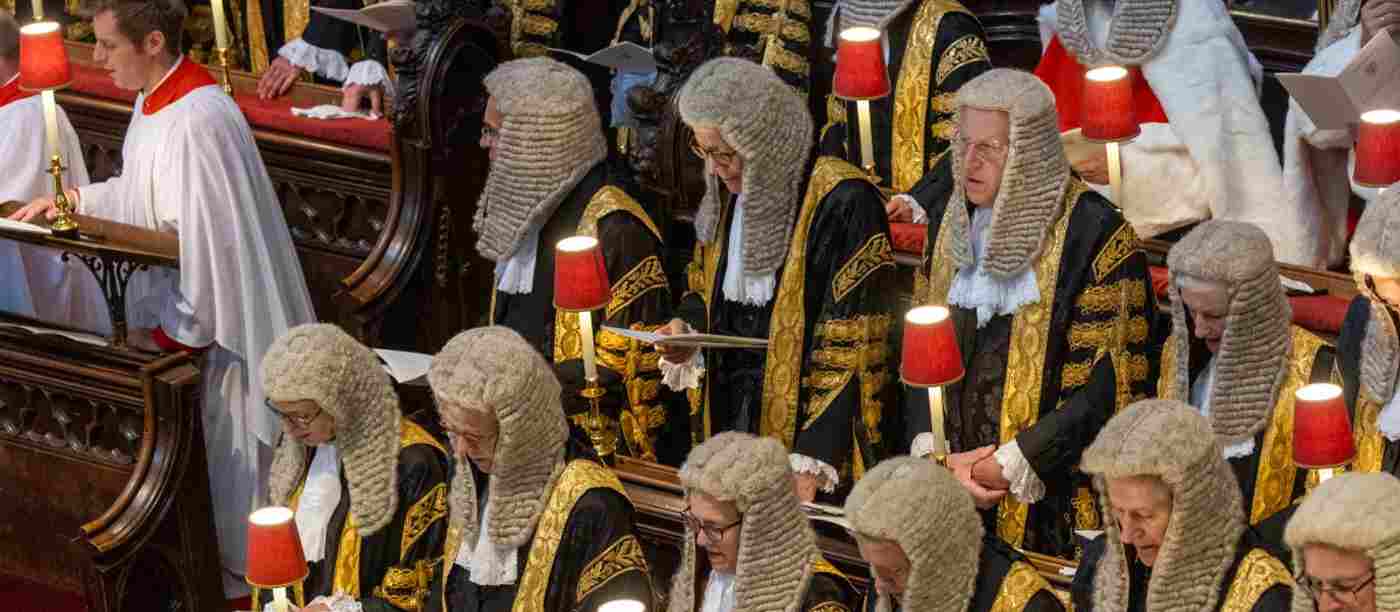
{"points": [[1050, 298], [537, 523], [1205, 150], [1369, 347], [809, 270], [918, 530], [742, 510], [1317, 163], [369, 487], [933, 47], [1176, 538], [1234, 355], [549, 181], [1345, 539]]}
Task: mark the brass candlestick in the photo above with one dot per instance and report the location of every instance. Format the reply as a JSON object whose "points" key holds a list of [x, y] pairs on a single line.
{"points": [[599, 428], [222, 55], [63, 225]]}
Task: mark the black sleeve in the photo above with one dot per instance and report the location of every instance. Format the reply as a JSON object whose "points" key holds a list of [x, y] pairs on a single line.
{"points": [[1279, 598], [327, 32], [1053, 445], [1349, 340], [1082, 589], [826, 593], [600, 558], [1044, 601], [420, 523]]}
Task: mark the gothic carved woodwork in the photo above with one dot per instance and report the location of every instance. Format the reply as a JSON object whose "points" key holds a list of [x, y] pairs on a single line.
{"points": [[105, 448]]}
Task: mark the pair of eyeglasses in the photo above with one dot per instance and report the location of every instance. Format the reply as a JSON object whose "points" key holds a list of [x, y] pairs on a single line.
{"points": [[988, 151], [490, 133], [723, 159], [713, 533], [298, 420], [1347, 595]]}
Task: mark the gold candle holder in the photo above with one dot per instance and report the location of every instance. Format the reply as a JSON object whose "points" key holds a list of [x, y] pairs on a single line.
{"points": [[599, 428], [63, 225], [222, 55]]}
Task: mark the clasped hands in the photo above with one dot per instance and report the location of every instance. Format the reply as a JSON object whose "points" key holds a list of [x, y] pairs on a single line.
{"points": [[980, 473]]}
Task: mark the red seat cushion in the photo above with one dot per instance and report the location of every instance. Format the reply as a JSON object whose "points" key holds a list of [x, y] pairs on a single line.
{"points": [[273, 115], [908, 237]]}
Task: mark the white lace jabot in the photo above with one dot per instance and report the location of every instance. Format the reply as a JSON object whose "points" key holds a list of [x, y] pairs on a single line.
{"points": [[974, 289]]}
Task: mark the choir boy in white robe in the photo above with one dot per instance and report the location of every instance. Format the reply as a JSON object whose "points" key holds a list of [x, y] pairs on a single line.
{"points": [[190, 167], [38, 284]]}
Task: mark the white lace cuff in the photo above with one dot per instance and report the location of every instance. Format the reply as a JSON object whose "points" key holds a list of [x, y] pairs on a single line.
{"points": [[920, 215], [682, 376], [327, 63], [339, 602], [802, 464], [923, 445], [1025, 485], [369, 72]]}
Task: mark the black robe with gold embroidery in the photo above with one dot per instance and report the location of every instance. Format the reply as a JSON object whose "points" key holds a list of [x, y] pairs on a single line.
{"points": [[1005, 581], [1374, 453], [1257, 581], [584, 552], [1053, 373], [391, 569], [935, 47], [1269, 481], [581, 26], [775, 33], [631, 246], [824, 382]]}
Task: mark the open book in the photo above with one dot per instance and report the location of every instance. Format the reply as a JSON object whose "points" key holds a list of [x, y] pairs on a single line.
{"points": [[623, 56], [691, 339], [1371, 81], [386, 16], [22, 227]]}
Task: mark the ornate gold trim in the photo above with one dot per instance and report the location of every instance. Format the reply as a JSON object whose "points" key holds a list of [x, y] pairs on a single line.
{"points": [[625, 555], [1370, 446], [1075, 374], [835, 116], [1166, 381], [347, 560], [939, 264], [871, 354], [579, 477], [642, 278], [1274, 481], [1120, 246], [1025, 362], [1112, 297], [875, 254], [607, 200], [406, 588], [846, 331], [782, 369], [911, 96], [1258, 572], [945, 103], [539, 25], [762, 25], [776, 55], [1106, 334], [724, 13], [429, 509], [796, 7], [817, 403], [966, 50], [1021, 583]]}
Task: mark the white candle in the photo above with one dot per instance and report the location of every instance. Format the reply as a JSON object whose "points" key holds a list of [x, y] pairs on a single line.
{"points": [[585, 327], [51, 121], [279, 600], [935, 416], [1323, 475], [1115, 174], [867, 147], [220, 32], [38, 10]]}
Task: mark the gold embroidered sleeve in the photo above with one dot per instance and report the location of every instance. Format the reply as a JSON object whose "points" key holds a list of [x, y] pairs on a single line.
{"points": [[1120, 246], [1021, 583], [835, 116], [624, 556], [849, 350], [429, 509], [875, 254], [1258, 572], [644, 277], [966, 50]]}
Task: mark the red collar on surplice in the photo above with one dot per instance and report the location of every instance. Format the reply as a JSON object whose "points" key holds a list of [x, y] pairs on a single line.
{"points": [[12, 93], [187, 77], [1065, 76]]}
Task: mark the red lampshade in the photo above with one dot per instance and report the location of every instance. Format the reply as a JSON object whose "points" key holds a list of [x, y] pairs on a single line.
{"points": [[275, 558], [1378, 149], [931, 357], [860, 66], [43, 60], [1108, 112], [1321, 427], [580, 278]]}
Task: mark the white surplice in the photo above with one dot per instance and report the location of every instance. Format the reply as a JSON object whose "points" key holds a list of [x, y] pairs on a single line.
{"points": [[36, 282], [1215, 158], [193, 168]]}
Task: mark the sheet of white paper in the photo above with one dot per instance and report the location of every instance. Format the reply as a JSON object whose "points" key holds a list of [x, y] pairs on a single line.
{"points": [[827, 514], [387, 16], [404, 366], [700, 340], [92, 339], [624, 56], [1369, 82], [1296, 285], [23, 227], [1323, 98]]}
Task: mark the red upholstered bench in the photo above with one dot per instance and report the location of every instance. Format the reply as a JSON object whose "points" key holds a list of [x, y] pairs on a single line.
{"points": [[909, 238], [272, 115], [1319, 313]]}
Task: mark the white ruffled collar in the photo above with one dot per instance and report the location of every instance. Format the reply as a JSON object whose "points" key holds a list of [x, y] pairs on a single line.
{"points": [[719, 593], [517, 274], [974, 289], [738, 286], [320, 496], [1201, 391], [486, 564]]}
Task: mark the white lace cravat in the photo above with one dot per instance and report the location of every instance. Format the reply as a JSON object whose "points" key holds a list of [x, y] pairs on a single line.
{"points": [[974, 289], [739, 287], [719, 593], [517, 274], [486, 564], [1200, 397], [319, 498]]}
